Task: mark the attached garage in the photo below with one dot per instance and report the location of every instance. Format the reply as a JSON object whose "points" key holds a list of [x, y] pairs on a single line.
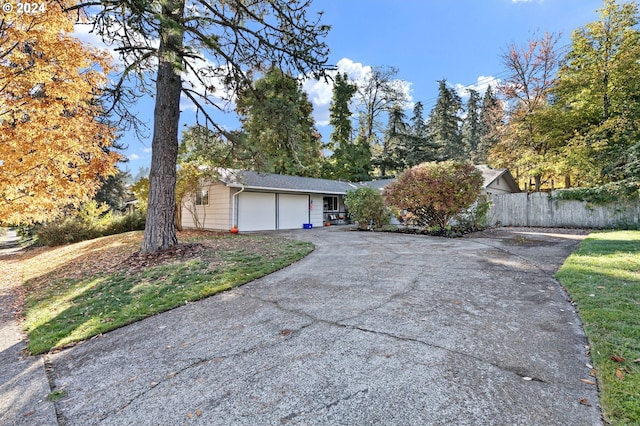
{"points": [[256, 211], [266, 211], [293, 211]]}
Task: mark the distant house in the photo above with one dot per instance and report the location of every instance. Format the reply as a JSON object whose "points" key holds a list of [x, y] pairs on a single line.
{"points": [[264, 201], [498, 181]]}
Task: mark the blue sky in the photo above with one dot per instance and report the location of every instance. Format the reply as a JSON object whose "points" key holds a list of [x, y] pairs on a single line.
{"points": [[426, 40]]}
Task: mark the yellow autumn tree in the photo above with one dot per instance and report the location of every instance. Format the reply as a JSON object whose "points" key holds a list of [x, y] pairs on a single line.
{"points": [[53, 143]]}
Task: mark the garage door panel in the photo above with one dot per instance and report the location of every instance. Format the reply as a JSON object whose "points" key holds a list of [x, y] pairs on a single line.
{"points": [[256, 211], [293, 211]]}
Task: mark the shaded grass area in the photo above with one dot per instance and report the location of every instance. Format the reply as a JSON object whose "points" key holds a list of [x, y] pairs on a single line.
{"points": [[603, 278], [78, 291]]}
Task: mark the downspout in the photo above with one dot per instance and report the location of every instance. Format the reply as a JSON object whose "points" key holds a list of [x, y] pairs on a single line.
{"points": [[233, 207]]}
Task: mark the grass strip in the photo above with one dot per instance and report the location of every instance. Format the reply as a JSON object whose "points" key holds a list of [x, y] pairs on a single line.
{"points": [[603, 278], [89, 288]]}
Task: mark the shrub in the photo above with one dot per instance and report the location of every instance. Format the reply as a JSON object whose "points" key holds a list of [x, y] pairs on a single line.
{"points": [[366, 206], [476, 217], [434, 193], [92, 220], [613, 192]]}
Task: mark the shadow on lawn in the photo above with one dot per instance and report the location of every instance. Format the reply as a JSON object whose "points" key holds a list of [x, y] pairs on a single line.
{"points": [[83, 296], [83, 307]]}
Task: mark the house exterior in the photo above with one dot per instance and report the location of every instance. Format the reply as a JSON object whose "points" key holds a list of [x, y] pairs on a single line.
{"points": [[263, 201], [255, 201], [497, 181]]}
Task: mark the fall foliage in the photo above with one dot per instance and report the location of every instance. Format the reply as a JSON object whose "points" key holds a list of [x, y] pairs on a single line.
{"points": [[53, 146], [434, 193]]}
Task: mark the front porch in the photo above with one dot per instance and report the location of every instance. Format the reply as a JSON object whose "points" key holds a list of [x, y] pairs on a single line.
{"points": [[334, 210]]}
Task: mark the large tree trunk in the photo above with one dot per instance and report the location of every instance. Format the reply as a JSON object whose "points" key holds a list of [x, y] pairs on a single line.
{"points": [[160, 232]]}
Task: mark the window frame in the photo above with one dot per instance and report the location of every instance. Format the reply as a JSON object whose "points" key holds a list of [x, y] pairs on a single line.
{"points": [[202, 197]]}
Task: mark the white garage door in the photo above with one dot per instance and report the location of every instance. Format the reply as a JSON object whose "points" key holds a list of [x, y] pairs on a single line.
{"points": [[256, 211], [293, 211]]}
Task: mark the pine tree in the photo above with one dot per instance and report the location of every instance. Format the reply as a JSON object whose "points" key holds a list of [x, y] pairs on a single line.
{"points": [[277, 118], [444, 123], [419, 147], [472, 126], [491, 114], [205, 51], [391, 157], [351, 160], [340, 115]]}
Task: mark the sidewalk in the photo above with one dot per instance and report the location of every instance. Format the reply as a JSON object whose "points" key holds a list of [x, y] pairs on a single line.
{"points": [[23, 382]]}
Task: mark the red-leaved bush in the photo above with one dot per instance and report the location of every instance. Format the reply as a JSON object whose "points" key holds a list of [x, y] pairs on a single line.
{"points": [[434, 193]]}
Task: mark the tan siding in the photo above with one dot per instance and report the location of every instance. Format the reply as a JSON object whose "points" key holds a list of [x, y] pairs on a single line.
{"points": [[216, 215], [498, 186]]}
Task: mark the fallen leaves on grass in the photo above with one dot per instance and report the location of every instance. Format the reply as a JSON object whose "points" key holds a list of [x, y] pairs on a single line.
{"points": [[617, 358], [185, 251], [619, 374]]}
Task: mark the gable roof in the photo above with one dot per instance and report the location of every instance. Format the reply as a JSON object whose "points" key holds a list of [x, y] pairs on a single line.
{"points": [[491, 175], [271, 181]]}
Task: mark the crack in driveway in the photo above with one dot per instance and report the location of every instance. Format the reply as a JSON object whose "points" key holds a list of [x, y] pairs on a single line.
{"points": [[365, 329]]}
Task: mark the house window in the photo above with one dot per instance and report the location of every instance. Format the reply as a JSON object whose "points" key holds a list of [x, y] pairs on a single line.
{"points": [[330, 204], [202, 197]]}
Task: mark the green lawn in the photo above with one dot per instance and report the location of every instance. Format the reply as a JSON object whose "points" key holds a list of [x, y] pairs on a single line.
{"points": [[77, 291], [603, 278]]}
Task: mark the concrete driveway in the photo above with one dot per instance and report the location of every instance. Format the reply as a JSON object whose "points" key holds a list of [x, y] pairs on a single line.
{"points": [[369, 329]]}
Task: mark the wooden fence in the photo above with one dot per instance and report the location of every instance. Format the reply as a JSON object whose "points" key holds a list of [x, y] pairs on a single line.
{"points": [[543, 210]]}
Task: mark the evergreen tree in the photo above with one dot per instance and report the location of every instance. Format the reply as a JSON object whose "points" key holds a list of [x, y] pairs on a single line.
{"points": [[277, 118], [391, 157], [173, 48], [472, 125], [113, 191], [419, 147], [491, 114], [340, 115], [351, 160], [444, 124]]}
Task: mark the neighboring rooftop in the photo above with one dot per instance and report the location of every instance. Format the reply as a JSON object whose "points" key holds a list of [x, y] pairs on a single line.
{"points": [[490, 175]]}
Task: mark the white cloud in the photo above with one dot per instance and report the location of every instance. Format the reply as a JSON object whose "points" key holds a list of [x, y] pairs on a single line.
{"points": [[134, 157], [354, 70], [321, 91], [147, 149], [206, 79], [479, 86], [83, 32]]}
